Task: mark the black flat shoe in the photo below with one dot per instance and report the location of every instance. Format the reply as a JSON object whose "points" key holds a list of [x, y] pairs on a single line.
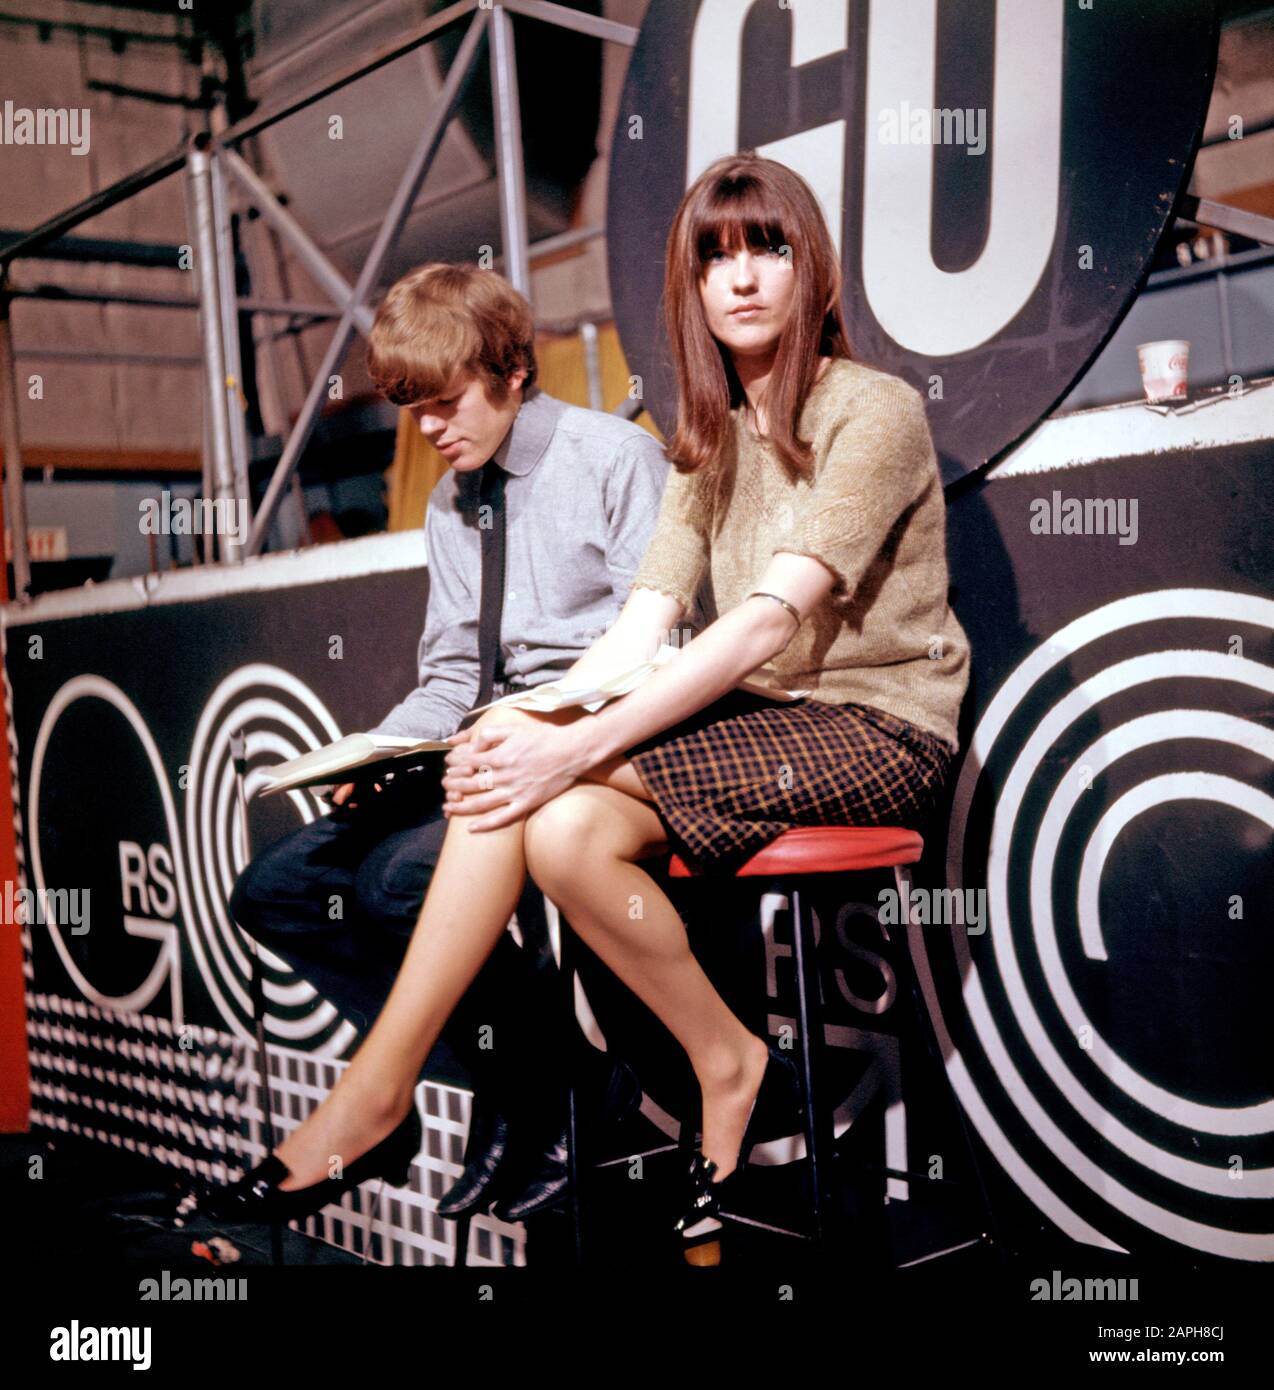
{"points": [[485, 1151], [701, 1218], [258, 1197], [542, 1187], [542, 1182]]}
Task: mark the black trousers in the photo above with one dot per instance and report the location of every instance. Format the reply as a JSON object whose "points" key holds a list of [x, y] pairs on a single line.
{"points": [[338, 900]]}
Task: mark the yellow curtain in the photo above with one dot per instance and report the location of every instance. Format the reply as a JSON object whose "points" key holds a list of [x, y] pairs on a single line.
{"points": [[417, 465]]}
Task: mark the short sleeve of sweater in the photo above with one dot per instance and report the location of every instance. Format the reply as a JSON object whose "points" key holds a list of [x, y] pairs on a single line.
{"points": [[677, 556], [877, 460]]}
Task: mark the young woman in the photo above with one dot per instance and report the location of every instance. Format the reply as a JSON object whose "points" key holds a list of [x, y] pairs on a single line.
{"points": [[806, 487]]}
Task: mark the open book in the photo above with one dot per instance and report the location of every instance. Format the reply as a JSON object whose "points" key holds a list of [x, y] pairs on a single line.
{"points": [[337, 762], [361, 753]]}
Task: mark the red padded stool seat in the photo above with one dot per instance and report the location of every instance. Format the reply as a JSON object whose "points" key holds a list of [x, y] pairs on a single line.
{"points": [[825, 849]]}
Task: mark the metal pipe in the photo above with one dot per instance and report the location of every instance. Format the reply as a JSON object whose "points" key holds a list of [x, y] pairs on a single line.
{"points": [[395, 215], [427, 202], [508, 151], [74, 296], [135, 182], [227, 285], [1249, 129], [113, 33], [550, 245], [205, 241], [170, 163], [1223, 307], [78, 248], [319, 36], [15, 500], [251, 305], [131, 359], [422, 33], [354, 312], [592, 364], [282, 221], [609, 29], [295, 329], [260, 238], [199, 544], [1200, 270], [1239, 221], [286, 308], [414, 38]]}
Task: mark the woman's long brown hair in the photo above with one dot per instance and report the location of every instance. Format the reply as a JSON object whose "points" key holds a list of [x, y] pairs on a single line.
{"points": [[744, 199]]}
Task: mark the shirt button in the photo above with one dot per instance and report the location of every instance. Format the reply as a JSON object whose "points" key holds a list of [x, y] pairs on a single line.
{"points": [[512, 595], [521, 646]]}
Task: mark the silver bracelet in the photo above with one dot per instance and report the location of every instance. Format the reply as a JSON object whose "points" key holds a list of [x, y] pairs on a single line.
{"points": [[760, 593]]}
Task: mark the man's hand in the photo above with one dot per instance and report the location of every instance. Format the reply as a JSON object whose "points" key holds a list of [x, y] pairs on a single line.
{"points": [[503, 772]]}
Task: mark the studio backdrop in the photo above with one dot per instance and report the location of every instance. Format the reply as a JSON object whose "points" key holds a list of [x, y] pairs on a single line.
{"points": [[996, 179]]}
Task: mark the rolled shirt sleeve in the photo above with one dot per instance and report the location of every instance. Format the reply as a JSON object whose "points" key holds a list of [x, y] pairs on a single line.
{"points": [[873, 469], [448, 653]]}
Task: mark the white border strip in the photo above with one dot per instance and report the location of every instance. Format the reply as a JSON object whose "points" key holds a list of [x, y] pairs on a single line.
{"points": [[381, 554], [1130, 429], [1067, 441]]}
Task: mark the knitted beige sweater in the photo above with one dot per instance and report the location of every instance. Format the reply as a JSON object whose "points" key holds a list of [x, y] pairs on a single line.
{"points": [[874, 514]]}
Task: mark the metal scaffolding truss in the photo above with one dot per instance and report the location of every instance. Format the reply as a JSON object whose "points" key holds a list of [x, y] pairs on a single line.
{"points": [[210, 161]]}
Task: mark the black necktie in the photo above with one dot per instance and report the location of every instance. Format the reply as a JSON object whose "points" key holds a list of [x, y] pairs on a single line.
{"points": [[489, 614]]}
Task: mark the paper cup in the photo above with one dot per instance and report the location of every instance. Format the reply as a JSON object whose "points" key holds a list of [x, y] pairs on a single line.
{"points": [[1164, 368]]}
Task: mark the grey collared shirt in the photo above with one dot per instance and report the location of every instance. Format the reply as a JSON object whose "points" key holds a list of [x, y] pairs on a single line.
{"points": [[581, 502]]}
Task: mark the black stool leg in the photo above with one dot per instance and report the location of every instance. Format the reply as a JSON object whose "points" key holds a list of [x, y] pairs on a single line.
{"points": [[691, 1118], [566, 969], [820, 1137], [904, 964]]}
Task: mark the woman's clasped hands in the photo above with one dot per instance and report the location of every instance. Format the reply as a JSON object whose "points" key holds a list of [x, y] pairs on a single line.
{"points": [[503, 772]]}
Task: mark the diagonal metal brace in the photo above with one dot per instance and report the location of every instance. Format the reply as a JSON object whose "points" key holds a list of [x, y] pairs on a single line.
{"points": [[400, 206], [265, 202]]}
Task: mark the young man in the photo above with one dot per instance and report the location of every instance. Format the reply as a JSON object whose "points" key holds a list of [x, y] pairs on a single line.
{"points": [[580, 493]]}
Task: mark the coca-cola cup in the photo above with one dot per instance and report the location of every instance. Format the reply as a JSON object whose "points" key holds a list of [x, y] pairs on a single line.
{"points": [[1165, 369]]}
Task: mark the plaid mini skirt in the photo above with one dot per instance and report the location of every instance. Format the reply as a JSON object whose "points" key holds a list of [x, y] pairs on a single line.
{"points": [[737, 774]]}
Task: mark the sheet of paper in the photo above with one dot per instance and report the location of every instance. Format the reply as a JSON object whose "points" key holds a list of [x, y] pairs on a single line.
{"points": [[555, 695]]}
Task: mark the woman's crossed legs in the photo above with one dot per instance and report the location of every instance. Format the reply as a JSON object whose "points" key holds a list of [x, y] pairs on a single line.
{"points": [[582, 847]]}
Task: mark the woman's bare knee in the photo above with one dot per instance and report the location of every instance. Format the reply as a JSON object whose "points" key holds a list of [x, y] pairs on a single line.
{"points": [[570, 837], [559, 832]]}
